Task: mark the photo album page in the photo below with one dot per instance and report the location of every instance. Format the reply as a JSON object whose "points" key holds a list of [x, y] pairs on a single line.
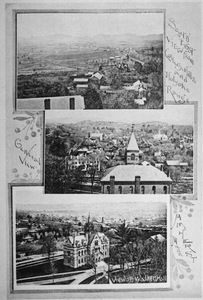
{"points": [[103, 139]]}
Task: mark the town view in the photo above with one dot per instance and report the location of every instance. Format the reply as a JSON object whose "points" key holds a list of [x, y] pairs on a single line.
{"points": [[114, 61], [83, 156], [90, 242]]}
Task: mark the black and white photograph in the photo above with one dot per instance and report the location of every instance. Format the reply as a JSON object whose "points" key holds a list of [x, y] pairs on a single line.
{"points": [[95, 60], [139, 152], [74, 243]]}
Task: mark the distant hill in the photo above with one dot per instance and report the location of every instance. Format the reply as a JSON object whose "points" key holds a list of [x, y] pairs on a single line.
{"points": [[89, 123], [99, 40]]}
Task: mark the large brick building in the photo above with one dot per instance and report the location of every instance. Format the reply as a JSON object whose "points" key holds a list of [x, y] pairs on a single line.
{"points": [[134, 178]]}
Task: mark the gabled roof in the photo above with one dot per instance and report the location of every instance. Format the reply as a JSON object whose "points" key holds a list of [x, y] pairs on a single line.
{"points": [[97, 75], [176, 163], [80, 80], [125, 173], [159, 237], [100, 235], [77, 240], [132, 146]]}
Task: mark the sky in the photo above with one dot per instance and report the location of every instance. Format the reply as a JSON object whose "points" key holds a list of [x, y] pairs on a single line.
{"points": [[85, 24], [172, 114], [35, 197]]}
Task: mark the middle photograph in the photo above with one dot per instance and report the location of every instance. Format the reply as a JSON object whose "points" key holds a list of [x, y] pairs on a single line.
{"points": [[131, 152]]}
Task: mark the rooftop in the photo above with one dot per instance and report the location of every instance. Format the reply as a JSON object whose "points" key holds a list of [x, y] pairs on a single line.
{"points": [[133, 146], [128, 173], [97, 75], [159, 237]]}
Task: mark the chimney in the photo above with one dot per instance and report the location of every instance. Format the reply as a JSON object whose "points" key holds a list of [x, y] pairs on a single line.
{"points": [[168, 173], [112, 184], [137, 184], [102, 219], [161, 168]]}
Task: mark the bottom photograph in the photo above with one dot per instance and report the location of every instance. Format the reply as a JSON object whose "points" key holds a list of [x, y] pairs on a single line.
{"points": [[89, 242]]}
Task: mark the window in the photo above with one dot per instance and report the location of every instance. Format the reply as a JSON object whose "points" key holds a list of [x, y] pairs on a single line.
{"points": [[132, 156], [79, 253], [131, 189], [165, 189], [108, 189], [47, 104], [120, 189], [72, 103], [154, 189], [142, 189], [96, 243]]}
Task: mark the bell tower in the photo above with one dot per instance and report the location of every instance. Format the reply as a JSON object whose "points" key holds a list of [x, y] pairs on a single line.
{"points": [[133, 150]]}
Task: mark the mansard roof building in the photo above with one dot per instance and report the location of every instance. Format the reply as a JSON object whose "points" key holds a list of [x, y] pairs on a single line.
{"points": [[82, 249]]}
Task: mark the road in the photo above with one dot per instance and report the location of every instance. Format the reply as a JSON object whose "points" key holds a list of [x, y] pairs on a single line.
{"points": [[75, 277]]}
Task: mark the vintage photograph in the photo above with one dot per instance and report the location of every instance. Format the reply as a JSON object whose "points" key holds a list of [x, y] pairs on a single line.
{"points": [[72, 242], [95, 60], [139, 152]]}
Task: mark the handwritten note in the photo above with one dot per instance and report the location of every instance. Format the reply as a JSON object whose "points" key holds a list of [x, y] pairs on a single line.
{"points": [[183, 246], [25, 149], [184, 253], [180, 63]]}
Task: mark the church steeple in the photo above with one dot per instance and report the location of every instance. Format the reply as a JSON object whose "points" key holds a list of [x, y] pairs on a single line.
{"points": [[133, 149]]}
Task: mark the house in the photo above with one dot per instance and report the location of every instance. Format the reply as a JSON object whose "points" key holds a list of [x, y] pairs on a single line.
{"points": [[146, 163], [104, 87], [75, 251], [136, 86], [96, 135], [97, 76], [160, 137], [82, 160], [81, 86], [134, 178], [80, 80], [80, 250], [174, 163], [157, 237]]}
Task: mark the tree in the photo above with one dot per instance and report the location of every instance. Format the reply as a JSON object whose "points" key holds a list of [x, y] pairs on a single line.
{"points": [[123, 233], [158, 253], [49, 247], [88, 227], [58, 146], [92, 99], [58, 178], [93, 264]]}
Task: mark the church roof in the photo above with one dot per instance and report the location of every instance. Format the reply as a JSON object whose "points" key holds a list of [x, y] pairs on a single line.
{"points": [[132, 146], [128, 172]]}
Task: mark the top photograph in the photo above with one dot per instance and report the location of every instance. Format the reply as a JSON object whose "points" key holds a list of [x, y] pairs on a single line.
{"points": [[89, 60]]}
